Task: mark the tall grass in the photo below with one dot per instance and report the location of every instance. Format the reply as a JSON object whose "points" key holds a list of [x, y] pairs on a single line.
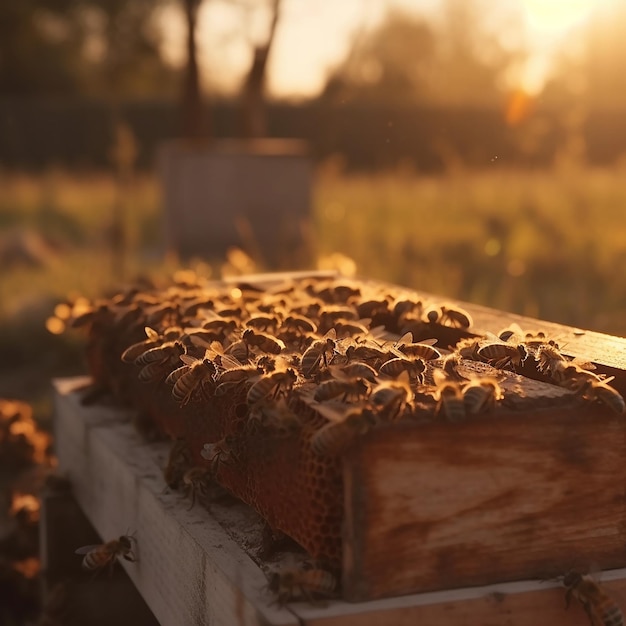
{"points": [[550, 244]]}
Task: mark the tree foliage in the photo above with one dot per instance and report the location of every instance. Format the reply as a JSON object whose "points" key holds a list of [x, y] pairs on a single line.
{"points": [[408, 59], [81, 46]]}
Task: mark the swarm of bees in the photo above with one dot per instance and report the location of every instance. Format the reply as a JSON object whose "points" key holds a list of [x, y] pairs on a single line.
{"points": [[269, 383]]}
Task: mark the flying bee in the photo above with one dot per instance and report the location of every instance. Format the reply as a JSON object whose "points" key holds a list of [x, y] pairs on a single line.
{"points": [[413, 366], [501, 354], [320, 351], [178, 462], [100, 556], [262, 341], [346, 424], [601, 609], [341, 385], [270, 385], [191, 377], [196, 482], [391, 398], [481, 395], [292, 584], [449, 396]]}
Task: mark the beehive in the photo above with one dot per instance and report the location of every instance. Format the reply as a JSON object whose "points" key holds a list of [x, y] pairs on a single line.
{"points": [[277, 469]]}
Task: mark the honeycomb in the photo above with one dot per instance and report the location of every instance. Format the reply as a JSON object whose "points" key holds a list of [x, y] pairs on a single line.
{"points": [[268, 381]]}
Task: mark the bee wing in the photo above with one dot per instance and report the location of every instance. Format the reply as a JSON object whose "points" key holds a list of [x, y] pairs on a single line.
{"points": [[86, 549], [187, 359], [151, 333], [199, 342], [512, 332], [332, 411], [406, 338], [428, 342], [229, 362], [379, 332], [331, 334]]}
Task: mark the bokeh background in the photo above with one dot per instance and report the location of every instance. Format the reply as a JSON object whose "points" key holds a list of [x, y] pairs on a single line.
{"points": [[469, 148]]}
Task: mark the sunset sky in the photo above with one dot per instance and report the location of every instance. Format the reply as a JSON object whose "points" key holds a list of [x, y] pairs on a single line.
{"points": [[314, 35]]}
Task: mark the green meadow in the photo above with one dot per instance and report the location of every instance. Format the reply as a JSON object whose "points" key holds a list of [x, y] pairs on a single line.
{"points": [[549, 244]]}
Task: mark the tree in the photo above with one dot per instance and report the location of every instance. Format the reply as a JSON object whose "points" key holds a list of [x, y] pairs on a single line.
{"points": [[81, 46], [406, 59], [389, 64]]}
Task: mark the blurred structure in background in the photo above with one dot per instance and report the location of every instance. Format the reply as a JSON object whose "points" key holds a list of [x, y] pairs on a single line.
{"points": [[251, 191]]}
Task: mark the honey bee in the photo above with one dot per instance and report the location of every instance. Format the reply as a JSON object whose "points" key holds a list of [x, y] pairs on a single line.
{"points": [[403, 307], [272, 384], [137, 349], [219, 453], [275, 415], [481, 395], [423, 349], [392, 397], [549, 360], [178, 462], [99, 556], [413, 366], [341, 385], [593, 389], [447, 315], [346, 424], [449, 396], [262, 322], [300, 324], [320, 351], [262, 341], [160, 354], [196, 483], [358, 369], [501, 354], [292, 584], [468, 347], [186, 380], [601, 609], [372, 308]]}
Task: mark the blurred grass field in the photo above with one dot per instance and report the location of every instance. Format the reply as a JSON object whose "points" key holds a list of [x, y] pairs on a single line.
{"points": [[549, 244]]}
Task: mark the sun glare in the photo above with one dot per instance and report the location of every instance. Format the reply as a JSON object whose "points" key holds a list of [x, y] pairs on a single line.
{"points": [[558, 15]]}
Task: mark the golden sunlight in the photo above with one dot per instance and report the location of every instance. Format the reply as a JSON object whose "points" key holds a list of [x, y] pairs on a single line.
{"points": [[558, 16]]}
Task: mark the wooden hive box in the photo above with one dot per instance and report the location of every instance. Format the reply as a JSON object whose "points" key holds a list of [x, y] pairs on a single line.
{"points": [[527, 492]]}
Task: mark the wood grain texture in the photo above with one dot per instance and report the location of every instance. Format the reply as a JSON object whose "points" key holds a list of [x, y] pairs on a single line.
{"points": [[505, 498], [525, 603], [189, 570]]}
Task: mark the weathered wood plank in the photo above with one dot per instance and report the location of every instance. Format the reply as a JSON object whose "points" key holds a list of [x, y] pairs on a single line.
{"points": [[525, 603], [189, 570], [533, 494]]}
